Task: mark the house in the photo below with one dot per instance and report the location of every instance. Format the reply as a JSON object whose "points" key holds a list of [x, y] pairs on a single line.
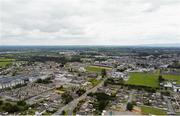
{"points": [[82, 69], [168, 85], [33, 79], [176, 88]]}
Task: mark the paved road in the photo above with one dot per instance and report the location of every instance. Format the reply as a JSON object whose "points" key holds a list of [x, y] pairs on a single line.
{"points": [[130, 98], [176, 97], [170, 108], [70, 106]]}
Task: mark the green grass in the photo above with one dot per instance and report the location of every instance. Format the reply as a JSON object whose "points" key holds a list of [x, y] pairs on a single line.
{"points": [[94, 81], [5, 62], [157, 72], [143, 79], [6, 59], [150, 110], [178, 82], [171, 77], [96, 68]]}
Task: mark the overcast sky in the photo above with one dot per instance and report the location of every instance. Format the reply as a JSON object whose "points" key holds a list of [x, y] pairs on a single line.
{"points": [[89, 22]]}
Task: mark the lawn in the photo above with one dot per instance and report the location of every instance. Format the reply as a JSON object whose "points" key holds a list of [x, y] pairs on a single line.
{"points": [[5, 62], [143, 79], [150, 110], [96, 68], [94, 82]]}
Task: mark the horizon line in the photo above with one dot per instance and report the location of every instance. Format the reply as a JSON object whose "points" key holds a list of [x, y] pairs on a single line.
{"points": [[141, 45]]}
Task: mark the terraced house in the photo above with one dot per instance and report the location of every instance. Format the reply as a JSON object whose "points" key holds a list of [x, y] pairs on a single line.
{"points": [[7, 82]]}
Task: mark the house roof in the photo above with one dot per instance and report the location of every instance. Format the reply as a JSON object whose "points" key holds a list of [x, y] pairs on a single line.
{"points": [[11, 78]]}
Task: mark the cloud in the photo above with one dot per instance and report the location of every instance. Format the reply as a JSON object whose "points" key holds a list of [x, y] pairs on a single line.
{"points": [[90, 22]]}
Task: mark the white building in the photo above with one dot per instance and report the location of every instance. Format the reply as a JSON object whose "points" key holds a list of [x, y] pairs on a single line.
{"points": [[119, 75], [168, 85], [176, 88], [82, 69]]}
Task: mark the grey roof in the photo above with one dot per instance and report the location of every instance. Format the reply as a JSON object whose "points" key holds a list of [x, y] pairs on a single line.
{"points": [[11, 78]]}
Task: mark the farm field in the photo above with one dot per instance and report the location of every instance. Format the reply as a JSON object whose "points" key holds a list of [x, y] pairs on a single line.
{"points": [[143, 79], [150, 110], [96, 68]]}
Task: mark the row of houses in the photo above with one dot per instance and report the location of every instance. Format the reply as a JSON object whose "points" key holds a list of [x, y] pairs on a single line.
{"points": [[11, 81], [7, 82]]}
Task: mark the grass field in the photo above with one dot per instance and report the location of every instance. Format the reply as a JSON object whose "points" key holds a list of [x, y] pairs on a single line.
{"points": [[169, 77], [150, 110], [172, 78], [96, 68], [5, 62], [143, 79]]}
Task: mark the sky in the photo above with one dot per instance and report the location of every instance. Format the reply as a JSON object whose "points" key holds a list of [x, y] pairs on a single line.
{"points": [[89, 22]]}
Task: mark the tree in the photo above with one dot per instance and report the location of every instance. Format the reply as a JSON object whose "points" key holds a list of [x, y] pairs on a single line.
{"points": [[80, 91], [21, 103], [160, 78], [102, 101], [103, 73], [63, 112], [8, 107], [129, 106], [67, 97], [1, 102], [115, 65], [39, 81], [44, 81]]}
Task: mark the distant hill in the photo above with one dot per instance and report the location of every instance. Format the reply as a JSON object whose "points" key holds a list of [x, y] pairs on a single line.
{"points": [[162, 45]]}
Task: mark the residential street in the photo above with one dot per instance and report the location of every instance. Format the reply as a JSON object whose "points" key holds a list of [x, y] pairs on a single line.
{"points": [[170, 108], [131, 96], [70, 106], [129, 99]]}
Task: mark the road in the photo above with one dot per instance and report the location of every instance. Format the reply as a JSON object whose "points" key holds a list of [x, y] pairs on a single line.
{"points": [[70, 106], [176, 97], [170, 108], [130, 98]]}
